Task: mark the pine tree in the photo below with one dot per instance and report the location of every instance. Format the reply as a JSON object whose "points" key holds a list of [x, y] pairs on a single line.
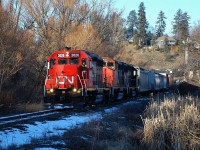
{"points": [[131, 24], [142, 24], [181, 25], [160, 24]]}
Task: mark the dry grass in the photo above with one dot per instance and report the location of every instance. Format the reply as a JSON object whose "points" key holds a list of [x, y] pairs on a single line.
{"points": [[30, 107], [173, 124]]}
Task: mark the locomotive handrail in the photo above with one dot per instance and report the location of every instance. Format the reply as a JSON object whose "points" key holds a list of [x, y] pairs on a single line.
{"points": [[81, 83], [51, 81], [84, 79]]}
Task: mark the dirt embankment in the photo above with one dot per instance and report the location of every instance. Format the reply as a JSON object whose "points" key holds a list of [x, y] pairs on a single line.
{"points": [[188, 89]]}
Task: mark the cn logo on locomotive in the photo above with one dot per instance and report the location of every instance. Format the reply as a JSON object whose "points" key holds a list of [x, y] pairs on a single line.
{"points": [[65, 78]]}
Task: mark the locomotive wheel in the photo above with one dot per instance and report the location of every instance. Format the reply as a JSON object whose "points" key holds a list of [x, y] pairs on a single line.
{"points": [[130, 93], [125, 95], [91, 98], [116, 93]]}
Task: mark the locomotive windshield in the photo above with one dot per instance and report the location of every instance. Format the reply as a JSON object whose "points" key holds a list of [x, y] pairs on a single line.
{"points": [[62, 61], [73, 61]]}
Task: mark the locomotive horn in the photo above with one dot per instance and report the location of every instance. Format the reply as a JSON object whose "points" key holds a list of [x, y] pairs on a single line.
{"points": [[68, 48]]}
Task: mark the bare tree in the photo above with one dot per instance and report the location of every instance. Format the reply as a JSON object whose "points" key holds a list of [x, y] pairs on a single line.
{"points": [[60, 23], [10, 42]]}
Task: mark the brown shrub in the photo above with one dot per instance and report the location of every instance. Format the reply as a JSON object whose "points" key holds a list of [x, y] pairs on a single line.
{"points": [[6, 102]]}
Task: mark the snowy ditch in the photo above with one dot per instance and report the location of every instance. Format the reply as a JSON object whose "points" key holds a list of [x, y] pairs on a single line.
{"points": [[15, 136]]}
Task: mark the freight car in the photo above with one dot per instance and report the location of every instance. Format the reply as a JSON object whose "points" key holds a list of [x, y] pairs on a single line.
{"points": [[81, 75], [151, 81]]}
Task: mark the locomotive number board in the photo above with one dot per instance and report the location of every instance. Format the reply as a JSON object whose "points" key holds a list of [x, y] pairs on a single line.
{"points": [[74, 55], [61, 55]]}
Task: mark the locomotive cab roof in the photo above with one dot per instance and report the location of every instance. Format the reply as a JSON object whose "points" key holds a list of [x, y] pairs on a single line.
{"points": [[66, 53]]}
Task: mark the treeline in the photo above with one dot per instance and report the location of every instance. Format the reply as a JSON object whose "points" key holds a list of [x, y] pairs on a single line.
{"points": [[142, 33]]}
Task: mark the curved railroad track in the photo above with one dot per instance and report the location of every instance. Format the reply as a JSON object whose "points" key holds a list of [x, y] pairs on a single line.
{"points": [[14, 120]]}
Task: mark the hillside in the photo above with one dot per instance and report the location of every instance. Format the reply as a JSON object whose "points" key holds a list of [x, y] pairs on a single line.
{"points": [[150, 59], [163, 60]]}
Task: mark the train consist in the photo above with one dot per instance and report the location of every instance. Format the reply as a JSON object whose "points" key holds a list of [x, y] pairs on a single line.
{"points": [[79, 74]]}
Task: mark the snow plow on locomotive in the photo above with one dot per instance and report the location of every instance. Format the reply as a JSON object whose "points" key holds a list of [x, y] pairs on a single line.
{"points": [[79, 74]]}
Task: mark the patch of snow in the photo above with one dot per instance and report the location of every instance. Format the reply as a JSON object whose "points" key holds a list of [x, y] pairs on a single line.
{"points": [[111, 110], [130, 103], [41, 129], [47, 148], [49, 128]]}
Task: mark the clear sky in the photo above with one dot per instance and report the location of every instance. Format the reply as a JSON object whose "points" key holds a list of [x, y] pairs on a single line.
{"points": [[169, 7]]}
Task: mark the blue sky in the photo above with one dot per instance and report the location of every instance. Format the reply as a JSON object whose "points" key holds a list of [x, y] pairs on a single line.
{"points": [[169, 7]]}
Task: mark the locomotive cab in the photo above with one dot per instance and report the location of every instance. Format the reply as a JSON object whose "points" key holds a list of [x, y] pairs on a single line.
{"points": [[71, 73], [66, 72]]}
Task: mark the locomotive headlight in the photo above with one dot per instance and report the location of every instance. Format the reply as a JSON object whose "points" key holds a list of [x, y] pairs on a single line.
{"points": [[74, 90], [51, 90]]}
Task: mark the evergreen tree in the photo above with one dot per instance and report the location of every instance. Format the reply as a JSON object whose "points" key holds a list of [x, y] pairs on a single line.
{"points": [[181, 25], [160, 24], [131, 24], [142, 24]]}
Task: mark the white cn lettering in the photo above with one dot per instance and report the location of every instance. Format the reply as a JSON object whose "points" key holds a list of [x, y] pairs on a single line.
{"points": [[65, 78], [72, 81]]}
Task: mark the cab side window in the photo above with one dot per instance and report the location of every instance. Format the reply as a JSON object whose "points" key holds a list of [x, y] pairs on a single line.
{"points": [[104, 63], [52, 62], [111, 65], [84, 62]]}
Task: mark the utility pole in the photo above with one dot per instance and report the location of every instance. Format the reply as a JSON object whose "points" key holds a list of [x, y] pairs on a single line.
{"points": [[186, 50], [186, 44], [186, 55]]}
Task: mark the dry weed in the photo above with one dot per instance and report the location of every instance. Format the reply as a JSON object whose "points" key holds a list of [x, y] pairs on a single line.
{"points": [[173, 124]]}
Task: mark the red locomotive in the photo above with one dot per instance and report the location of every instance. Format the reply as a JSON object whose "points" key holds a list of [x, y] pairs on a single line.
{"points": [[75, 74], [119, 77]]}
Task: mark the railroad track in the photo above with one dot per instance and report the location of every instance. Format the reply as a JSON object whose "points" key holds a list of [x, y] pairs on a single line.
{"points": [[20, 118], [10, 121]]}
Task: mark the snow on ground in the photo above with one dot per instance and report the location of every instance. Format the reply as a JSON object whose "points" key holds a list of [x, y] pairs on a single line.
{"points": [[49, 128]]}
